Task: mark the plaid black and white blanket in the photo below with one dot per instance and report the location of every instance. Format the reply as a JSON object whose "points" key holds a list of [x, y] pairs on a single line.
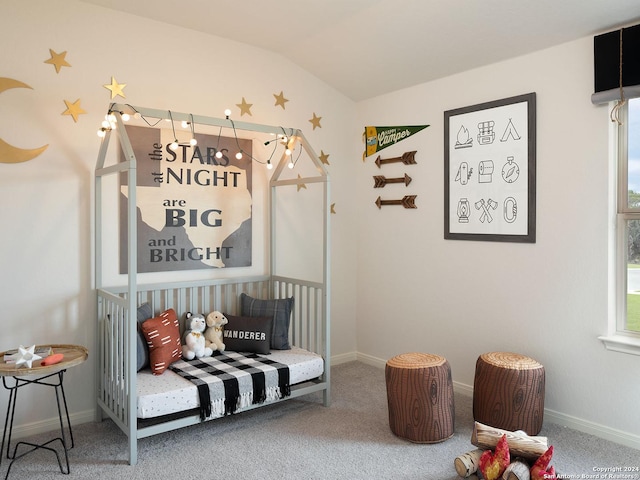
{"points": [[229, 380]]}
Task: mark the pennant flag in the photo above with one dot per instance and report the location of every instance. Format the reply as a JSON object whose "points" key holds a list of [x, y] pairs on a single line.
{"points": [[377, 138]]}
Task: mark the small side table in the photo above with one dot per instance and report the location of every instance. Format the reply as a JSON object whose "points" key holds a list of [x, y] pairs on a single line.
{"points": [[48, 375]]}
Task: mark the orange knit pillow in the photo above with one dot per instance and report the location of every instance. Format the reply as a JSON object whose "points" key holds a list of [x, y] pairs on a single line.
{"points": [[162, 334]]}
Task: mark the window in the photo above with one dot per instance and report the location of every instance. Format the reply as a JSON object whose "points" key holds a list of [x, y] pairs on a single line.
{"points": [[629, 213], [625, 336]]}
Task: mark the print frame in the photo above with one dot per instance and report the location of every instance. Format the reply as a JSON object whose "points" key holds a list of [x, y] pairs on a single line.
{"points": [[490, 171]]}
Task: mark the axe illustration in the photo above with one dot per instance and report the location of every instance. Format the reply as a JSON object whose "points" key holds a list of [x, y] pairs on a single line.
{"points": [[486, 214]]}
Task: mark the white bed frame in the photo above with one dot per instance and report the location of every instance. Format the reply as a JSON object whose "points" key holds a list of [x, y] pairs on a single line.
{"points": [[116, 306]]}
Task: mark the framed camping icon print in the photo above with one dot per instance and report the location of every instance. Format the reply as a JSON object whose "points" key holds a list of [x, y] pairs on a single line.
{"points": [[490, 171]]}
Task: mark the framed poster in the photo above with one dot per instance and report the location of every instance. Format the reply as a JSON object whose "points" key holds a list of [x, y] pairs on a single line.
{"points": [[490, 171], [194, 206]]}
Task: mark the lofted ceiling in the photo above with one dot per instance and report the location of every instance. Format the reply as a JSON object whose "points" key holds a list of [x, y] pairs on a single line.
{"points": [[366, 48]]}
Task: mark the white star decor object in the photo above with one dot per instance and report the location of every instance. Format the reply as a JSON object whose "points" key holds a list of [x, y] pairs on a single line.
{"points": [[26, 356]]}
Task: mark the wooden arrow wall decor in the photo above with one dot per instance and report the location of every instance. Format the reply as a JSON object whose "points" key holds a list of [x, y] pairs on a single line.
{"points": [[379, 181], [408, 201], [408, 158]]}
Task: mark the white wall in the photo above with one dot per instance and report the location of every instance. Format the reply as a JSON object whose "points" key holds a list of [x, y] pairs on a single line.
{"points": [[419, 292], [46, 245]]}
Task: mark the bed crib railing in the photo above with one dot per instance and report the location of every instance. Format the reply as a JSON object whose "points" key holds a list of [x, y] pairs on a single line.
{"points": [[117, 388]]}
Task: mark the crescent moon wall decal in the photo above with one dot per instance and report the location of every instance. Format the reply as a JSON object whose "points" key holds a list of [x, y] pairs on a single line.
{"points": [[7, 83], [9, 153]]}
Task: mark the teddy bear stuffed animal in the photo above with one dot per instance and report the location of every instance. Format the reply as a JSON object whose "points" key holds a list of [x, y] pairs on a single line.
{"points": [[194, 342], [213, 333]]}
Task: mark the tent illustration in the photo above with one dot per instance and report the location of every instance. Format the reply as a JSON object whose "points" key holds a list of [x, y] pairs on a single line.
{"points": [[510, 131]]}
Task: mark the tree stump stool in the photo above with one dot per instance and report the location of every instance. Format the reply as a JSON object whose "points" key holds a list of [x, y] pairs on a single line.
{"points": [[508, 392], [420, 397]]}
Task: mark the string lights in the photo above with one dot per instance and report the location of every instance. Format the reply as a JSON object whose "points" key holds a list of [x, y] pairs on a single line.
{"points": [[191, 126], [109, 123], [218, 154], [279, 137], [193, 142], [173, 145], [288, 141]]}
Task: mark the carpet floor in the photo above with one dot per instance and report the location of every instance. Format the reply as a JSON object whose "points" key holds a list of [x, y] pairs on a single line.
{"points": [[302, 439]]}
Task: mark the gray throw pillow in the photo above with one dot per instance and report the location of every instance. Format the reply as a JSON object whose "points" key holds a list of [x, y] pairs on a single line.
{"points": [[279, 310], [142, 350]]}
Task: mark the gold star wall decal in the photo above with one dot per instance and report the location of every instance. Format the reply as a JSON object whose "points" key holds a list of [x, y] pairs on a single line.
{"points": [[73, 109], [333, 208], [57, 60], [324, 157], [301, 185], [244, 107], [115, 88], [315, 121], [280, 100]]}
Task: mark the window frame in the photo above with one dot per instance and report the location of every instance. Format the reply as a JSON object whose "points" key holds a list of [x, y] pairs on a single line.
{"points": [[619, 338]]}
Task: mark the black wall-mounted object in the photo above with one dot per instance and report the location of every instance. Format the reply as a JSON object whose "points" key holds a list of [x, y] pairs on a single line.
{"points": [[606, 64]]}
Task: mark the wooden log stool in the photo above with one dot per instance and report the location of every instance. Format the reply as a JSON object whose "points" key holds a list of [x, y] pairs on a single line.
{"points": [[508, 392], [420, 397]]}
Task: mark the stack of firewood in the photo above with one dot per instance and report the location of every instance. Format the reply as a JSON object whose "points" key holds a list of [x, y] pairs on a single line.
{"points": [[527, 454]]}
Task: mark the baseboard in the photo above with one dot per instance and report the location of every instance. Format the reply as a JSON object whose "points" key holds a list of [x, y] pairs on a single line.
{"points": [[343, 358], [601, 431], [370, 360], [51, 424], [463, 389]]}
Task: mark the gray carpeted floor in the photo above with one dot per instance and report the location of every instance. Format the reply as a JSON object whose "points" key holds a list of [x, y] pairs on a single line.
{"points": [[301, 439]]}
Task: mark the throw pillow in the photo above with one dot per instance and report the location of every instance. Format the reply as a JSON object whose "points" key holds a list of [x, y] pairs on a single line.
{"points": [[247, 334], [279, 310], [162, 334], [142, 358]]}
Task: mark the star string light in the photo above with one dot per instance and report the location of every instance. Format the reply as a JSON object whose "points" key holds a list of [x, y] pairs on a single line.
{"points": [[58, 60]]}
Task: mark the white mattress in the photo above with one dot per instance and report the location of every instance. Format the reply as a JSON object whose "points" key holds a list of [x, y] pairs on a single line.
{"points": [[170, 393]]}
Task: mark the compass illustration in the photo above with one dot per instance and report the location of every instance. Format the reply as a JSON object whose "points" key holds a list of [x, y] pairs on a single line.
{"points": [[510, 171]]}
